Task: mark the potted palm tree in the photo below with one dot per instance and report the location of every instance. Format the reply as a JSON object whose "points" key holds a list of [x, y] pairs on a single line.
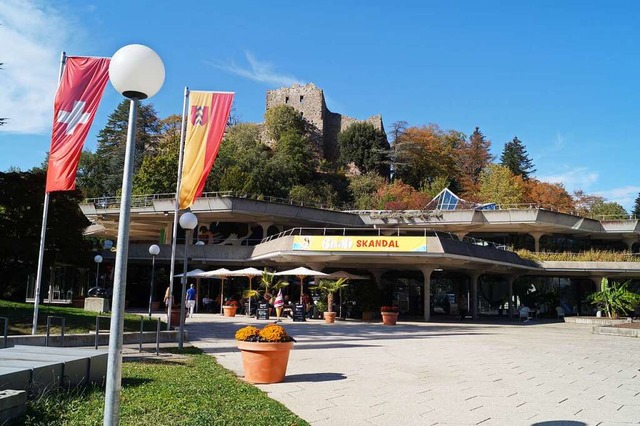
{"points": [[266, 286], [330, 287]]}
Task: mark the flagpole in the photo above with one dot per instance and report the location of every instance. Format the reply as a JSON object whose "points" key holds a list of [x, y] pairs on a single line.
{"points": [[43, 231], [176, 206]]}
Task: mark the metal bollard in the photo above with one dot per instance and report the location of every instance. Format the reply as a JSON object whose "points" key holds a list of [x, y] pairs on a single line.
{"points": [[6, 331], [62, 321], [98, 328], [158, 337], [141, 331]]}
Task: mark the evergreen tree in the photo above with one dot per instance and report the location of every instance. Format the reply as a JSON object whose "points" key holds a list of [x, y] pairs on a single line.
{"points": [[103, 173], [515, 158], [474, 156], [636, 208], [366, 147]]}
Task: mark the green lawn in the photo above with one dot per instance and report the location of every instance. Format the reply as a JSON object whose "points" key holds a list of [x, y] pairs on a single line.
{"points": [[191, 390], [76, 320]]}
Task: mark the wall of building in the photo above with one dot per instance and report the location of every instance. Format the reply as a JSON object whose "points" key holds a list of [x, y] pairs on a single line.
{"points": [[310, 101]]}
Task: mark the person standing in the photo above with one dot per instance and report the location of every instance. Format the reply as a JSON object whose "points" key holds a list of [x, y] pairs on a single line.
{"points": [[191, 300]]}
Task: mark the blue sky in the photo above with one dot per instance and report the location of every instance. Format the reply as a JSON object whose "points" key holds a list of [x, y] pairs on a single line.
{"points": [[563, 76]]}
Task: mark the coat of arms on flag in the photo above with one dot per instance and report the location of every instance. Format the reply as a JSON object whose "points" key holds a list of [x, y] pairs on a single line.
{"points": [[199, 115]]}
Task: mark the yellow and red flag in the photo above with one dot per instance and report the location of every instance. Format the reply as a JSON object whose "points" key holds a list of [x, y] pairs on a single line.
{"points": [[208, 115], [75, 106]]}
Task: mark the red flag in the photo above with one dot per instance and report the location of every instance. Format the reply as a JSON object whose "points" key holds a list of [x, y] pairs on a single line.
{"points": [[208, 115], [77, 99]]}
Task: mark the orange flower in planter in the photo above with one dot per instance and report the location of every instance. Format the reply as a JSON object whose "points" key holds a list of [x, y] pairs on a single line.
{"points": [[247, 334], [389, 309], [270, 333], [231, 303]]}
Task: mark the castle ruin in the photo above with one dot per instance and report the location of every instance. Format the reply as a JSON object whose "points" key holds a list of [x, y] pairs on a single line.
{"points": [[309, 100]]}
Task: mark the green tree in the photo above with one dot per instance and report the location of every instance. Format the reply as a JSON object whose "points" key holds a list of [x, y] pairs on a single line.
{"points": [[366, 147], [104, 171], [363, 190], [281, 119], [499, 185], [615, 299], [21, 204], [514, 157], [159, 168], [636, 208], [608, 211]]}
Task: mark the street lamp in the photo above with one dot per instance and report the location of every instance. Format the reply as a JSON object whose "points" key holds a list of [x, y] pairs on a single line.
{"points": [[188, 222], [137, 72], [154, 250], [98, 260]]}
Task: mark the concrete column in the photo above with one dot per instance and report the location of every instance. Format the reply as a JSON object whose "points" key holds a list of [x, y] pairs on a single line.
{"points": [[168, 233], [598, 282], [265, 227], [474, 293], [377, 276], [512, 307], [629, 242], [536, 239], [426, 271], [461, 235]]}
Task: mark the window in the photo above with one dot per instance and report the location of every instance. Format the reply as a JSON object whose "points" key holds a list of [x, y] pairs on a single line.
{"points": [[301, 98], [286, 100]]}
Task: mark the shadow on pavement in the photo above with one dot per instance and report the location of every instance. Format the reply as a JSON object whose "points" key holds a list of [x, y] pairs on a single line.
{"points": [[313, 378]]}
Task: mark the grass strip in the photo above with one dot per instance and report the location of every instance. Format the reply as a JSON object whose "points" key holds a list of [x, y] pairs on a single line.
{"points": [[187, 390], [77, 320]]}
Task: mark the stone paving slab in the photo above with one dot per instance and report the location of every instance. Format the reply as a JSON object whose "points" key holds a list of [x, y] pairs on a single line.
{"points": [[448, 373]]}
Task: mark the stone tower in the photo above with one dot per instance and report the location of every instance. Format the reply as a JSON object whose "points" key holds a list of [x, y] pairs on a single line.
{"points": [[309, 100]]}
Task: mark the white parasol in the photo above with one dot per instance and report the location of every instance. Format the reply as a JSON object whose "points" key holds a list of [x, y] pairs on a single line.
{"points": [[221, 273], [301, 272]]}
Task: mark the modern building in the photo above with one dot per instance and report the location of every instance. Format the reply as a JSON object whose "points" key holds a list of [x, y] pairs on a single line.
{"points": [[425, 262]]}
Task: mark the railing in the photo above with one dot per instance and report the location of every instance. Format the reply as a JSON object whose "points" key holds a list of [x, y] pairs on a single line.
{"points": [[382, 232], [147, 200], [6, 332], [141, 338], [62, 329]]}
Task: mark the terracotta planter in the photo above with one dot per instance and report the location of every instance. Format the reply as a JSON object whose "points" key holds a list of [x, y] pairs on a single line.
{"points": [[329, 317], [155, 306], [389, 318], [264, 362], [175, 316], [229, 311]]}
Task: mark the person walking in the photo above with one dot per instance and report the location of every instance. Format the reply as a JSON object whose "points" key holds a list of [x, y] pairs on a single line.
{"points": [[191, 299]]}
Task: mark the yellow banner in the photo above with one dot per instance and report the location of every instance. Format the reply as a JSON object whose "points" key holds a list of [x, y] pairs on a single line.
{"points": [[342, 243]]}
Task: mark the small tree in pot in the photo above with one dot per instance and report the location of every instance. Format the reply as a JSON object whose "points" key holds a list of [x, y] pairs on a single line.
{"points": [[330, 287], [615, 299]]}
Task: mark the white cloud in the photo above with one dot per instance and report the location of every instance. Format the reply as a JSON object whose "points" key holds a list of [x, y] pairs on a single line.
{"points": [[625, 196], [261, 71], [555, 146], [572, 179], [31, 36]]}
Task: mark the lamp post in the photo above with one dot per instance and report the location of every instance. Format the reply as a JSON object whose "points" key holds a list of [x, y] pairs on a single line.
{"points": [[98, 260], [137, 72], [188, 222], [154, 250], [106, 246]]}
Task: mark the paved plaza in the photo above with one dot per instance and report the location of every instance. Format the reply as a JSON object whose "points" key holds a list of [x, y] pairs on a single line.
{"points": [[454, 373]]}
